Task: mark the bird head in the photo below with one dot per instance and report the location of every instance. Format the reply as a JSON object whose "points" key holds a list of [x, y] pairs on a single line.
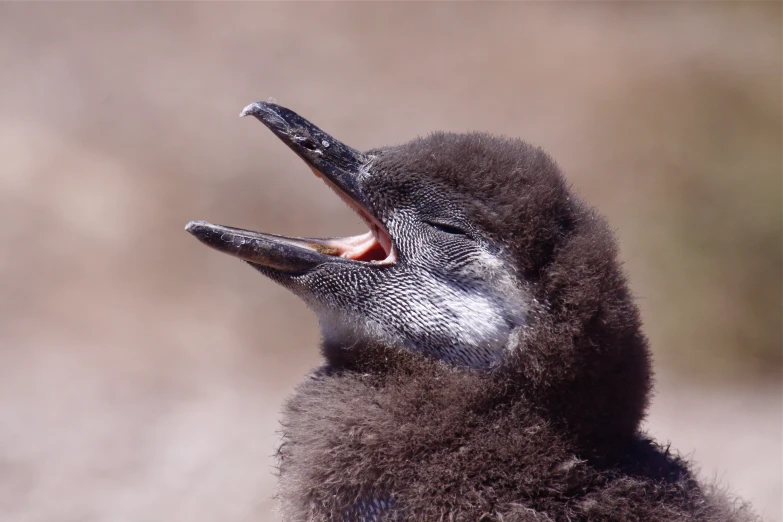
{"points": [[478, 255]]}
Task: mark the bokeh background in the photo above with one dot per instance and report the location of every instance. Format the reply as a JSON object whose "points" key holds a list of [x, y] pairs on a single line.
{"points": [[141, 374]]}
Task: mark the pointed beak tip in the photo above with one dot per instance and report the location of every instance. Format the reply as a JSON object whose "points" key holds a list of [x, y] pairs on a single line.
{"points": [[248, 110], [196, 227], [275, 117], [260, 109]]}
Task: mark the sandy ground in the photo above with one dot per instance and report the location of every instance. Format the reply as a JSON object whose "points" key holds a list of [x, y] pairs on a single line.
{"points": [[141, 374]]}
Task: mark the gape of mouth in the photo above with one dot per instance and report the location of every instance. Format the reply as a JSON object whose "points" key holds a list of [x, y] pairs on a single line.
{"points": [[374, 246]]}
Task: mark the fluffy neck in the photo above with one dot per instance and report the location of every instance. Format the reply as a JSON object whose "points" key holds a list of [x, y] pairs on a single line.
{"points": [[448, 443]]}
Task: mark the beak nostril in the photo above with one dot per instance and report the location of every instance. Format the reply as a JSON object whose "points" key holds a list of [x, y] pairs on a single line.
{"points": [[307, 143]]}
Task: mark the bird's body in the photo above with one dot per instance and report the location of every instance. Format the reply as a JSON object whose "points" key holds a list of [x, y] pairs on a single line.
{"points": [[445, 446], [484, 359]]}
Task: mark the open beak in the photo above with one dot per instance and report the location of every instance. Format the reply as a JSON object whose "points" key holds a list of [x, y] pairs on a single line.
{"points": [[342, 168]]}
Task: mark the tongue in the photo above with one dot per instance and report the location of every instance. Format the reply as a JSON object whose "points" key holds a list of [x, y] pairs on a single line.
{"points": [[359, 248], [372, 251]]}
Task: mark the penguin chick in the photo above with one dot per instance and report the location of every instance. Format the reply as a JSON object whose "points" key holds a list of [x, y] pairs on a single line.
{"points": [[484, 359]]}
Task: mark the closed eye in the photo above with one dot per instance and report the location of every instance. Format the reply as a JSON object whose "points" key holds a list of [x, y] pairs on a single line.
{"points": [[448, 229]]}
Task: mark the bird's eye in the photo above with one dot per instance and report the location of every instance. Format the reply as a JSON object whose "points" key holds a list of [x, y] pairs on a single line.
{"points": [[448, 229]]}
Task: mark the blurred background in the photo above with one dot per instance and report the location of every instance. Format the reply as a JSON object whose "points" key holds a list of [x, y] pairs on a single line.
{"points": [[141, 374]]}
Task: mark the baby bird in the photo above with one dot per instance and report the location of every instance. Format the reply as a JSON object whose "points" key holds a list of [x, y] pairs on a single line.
{"points": [[483, 356]]}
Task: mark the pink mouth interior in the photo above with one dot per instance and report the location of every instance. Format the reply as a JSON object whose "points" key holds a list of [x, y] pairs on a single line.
{"points": [[374, 246], [364, 247]]}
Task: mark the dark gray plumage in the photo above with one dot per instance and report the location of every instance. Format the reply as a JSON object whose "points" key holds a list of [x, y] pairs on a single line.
{"points": [[484, 358]]}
